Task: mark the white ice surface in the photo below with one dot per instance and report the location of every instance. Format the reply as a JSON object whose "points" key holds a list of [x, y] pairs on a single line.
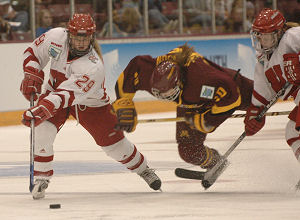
{"points": [[258, 184]]}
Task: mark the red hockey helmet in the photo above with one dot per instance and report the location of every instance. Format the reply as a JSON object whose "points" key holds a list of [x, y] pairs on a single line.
{"points": [[81, 24], [268, 21], [165, 81], [267, 30]]}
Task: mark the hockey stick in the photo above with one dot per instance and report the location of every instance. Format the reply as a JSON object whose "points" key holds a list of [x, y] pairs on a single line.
{"points": [[211, 176], [180, 119], [32, 143]]}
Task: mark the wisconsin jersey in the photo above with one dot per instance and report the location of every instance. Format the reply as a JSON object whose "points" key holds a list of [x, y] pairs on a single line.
{"points": [[269, 75], [71, 82]]}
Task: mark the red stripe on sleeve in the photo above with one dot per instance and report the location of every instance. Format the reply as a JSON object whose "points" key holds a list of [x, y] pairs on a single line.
{"points": [[32, 57], [260, 98]]}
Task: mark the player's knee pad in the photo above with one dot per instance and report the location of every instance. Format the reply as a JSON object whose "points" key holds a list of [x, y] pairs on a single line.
{"points": [[292, 138], [45, 135], [126, 153]]}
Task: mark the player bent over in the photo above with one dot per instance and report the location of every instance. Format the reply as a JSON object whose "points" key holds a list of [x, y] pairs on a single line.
{"points": [[277, 44], [75, 87], [206, 95]]}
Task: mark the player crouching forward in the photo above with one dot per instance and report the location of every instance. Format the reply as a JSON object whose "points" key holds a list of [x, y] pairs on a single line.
{"points": [[205, 93], [75, 87]]}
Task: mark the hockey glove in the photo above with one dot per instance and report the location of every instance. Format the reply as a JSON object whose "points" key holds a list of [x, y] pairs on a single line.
{"points": [[252, 125], [41, 112], [32, 82], [126, 114], [291, 66], [197, 121]]}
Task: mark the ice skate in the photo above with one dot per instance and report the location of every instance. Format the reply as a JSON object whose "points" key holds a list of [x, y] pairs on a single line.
{"points": [[151, 178], [38, 191]]}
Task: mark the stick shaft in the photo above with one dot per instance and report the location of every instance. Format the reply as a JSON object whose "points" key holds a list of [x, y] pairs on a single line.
{"points": [[32, 143], [179, 119]]}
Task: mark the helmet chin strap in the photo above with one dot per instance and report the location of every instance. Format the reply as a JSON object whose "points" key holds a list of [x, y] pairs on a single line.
{"points": [[75, 52]]}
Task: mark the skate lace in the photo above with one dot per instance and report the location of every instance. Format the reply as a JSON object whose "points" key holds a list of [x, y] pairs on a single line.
{"points": [[149, 176]]}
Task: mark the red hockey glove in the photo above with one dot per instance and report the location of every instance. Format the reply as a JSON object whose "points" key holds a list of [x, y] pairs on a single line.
{"points": [[252, 126], [41, 112], [126, 114], [32, 82], [291, 66]]}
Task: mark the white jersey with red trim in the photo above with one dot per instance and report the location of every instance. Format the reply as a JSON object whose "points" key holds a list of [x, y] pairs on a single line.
{"points": [[71, 82], [269, 75]]}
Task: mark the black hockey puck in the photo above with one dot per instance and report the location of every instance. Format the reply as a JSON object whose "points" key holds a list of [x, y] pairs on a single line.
{"points": [[54, 206]]}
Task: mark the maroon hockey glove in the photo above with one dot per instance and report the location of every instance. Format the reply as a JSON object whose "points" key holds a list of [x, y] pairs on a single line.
{"points": [[41, 112], [32, 82], [252, 125], [291, 66], [197, 121]]}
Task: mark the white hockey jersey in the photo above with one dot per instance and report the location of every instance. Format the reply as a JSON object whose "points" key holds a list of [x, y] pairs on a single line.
{"points": [[269, 75], [71, 82]]}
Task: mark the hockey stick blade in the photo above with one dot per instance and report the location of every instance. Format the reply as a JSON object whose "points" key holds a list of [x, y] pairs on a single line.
{"points": [[212, 175], [189, 174], [200, 175]]}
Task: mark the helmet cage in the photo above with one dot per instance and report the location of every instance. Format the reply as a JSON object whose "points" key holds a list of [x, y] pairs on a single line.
{"points": [[257, 38], [267, 30], [165, 81], [170, 95], [77, 52]]}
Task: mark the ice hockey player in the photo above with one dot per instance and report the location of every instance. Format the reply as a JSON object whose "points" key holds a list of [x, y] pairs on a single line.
{"points": [[75, 87], [206, 94], [277, 45]]}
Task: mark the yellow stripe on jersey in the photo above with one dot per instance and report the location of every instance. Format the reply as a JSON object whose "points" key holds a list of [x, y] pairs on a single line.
{"points": [[171, 72], [199, 123], [121, 92], [216, 109]]}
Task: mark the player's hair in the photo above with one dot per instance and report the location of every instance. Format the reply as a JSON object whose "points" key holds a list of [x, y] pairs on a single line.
{"points": [[289, 25], [97, 49], [182, 57]]}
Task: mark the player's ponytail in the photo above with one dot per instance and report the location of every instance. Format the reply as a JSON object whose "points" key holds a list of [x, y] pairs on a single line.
{"points": [[289, 25], [97, 49]]}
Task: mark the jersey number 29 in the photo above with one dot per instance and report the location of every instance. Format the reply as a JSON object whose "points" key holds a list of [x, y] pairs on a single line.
{"points": [[85, 83]]}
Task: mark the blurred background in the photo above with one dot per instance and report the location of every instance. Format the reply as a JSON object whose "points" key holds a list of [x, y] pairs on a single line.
{"points": [[24, 20]]}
